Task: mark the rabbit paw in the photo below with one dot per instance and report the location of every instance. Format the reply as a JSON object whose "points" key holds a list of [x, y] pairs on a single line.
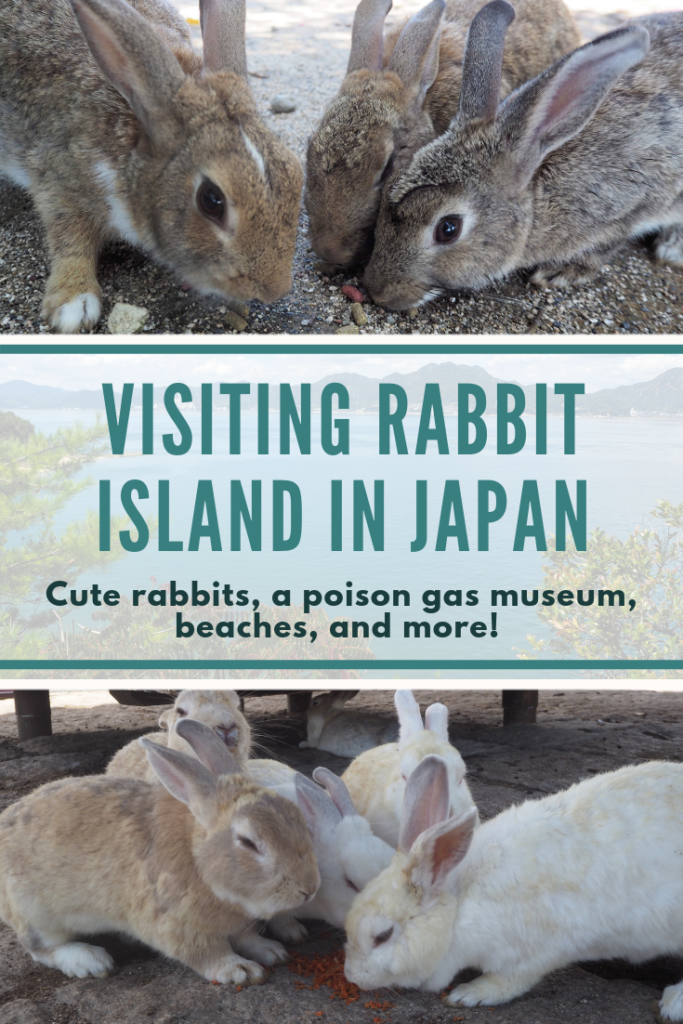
{"points": [[78, 960], [671, 1003], [564, 276], [69, 317], [239, 971], [287, 928], [668, 247], [266, 951], [487, 988]]}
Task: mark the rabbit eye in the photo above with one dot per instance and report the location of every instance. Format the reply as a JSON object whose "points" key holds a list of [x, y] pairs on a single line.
{"points": [[351, 885], [384, 936], [448, 230], [181, 712], [211, 201], [248, 844]]}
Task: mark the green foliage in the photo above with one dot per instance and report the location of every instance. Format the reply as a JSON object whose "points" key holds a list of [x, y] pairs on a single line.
{"points": [[39, 474], [648, 567]]}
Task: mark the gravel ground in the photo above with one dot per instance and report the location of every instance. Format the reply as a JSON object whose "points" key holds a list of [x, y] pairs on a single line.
{"points": [[299, 48], [577, 735]]}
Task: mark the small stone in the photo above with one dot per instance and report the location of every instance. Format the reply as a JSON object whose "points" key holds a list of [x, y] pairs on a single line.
{"points": [[238, 323], [390, 320], [126, 319], [355, 294], [282, 104], [348, 329], [358, 314], [241, 308], [321, 267], [412, 312]]}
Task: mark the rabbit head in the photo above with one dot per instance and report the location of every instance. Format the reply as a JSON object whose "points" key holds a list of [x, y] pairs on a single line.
{"points": [[371, 129], [252, 846], [349, 855], [400, 926], [460, 215], [208, 189], [220, 710]]}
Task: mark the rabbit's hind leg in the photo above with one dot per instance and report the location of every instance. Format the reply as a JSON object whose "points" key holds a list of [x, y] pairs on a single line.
{"points": [[671, 1003], [668, 247], [72, 295], [75, 959]]}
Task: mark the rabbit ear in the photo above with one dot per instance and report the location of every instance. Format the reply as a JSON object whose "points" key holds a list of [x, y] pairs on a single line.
{"points": [[415, 58], [554, 107], [425, 801], [436, 720], [208, 747], [483, 61], [133, 58], [340, 697], [320, 813], [367, 36], [337, 790], [223, 29], [409, 717], [185, 779], [439, 850], [165, 718]]}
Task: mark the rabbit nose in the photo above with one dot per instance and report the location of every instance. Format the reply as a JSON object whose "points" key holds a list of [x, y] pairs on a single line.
{"points": [[228, 733]]}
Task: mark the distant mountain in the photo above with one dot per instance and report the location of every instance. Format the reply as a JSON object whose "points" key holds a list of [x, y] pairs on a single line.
{"points": [[662, 396]]}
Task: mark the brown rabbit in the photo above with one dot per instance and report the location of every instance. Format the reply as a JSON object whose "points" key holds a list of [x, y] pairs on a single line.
{"points": [[401, 91], [117, 130], [187, 867], [219, 709]]}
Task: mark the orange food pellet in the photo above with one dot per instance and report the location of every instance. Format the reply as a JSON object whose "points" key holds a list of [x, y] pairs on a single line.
{"points": [[238, 988]]}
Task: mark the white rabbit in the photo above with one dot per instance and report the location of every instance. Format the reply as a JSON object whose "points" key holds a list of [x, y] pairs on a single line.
{"points": [[188, 867], [348, 854], [345, 732], [589, 873], [377, 778]]}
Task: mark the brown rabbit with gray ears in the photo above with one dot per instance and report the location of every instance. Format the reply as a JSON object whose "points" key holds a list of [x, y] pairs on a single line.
{"points": [[564, 172], [400, 92], [117, 129]]}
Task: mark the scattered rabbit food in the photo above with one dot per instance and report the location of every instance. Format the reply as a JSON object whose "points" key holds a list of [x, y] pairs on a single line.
{"points": [[328, 969]]}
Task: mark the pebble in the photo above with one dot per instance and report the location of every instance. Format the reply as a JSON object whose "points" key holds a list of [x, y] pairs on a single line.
{"points": [[241, 308], [232, 319], [126, 319], [358, 314], [348, 329], [355, 294], [412, 312], [282, 104]]}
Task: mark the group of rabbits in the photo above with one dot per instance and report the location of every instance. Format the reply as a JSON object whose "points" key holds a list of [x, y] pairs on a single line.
{"points": [[393, 851], [449, 157]]}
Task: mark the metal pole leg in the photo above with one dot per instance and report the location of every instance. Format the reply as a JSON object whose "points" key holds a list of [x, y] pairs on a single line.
{"points": [[33, 713]]}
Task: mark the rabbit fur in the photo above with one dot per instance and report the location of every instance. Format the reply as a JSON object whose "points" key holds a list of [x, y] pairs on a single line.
{"points": [[348, 853], [219, 709], [558, 176], [111, 121], [187, 867], [331, 727], [400, 92], [590, 873], [376, 779]]}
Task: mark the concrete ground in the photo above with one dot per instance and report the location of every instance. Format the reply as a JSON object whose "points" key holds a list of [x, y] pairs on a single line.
{"points": [[300, 48], [577, 735]]}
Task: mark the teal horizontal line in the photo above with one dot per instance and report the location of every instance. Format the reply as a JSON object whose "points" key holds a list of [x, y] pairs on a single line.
{"points": [[341, 663], [336, 348]]}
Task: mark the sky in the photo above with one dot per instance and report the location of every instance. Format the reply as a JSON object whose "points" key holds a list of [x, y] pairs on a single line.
{"points": [[74, 372]]}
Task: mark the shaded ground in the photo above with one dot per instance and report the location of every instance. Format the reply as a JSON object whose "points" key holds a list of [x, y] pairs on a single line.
{"points": [[300, 48], [577, 735]]}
